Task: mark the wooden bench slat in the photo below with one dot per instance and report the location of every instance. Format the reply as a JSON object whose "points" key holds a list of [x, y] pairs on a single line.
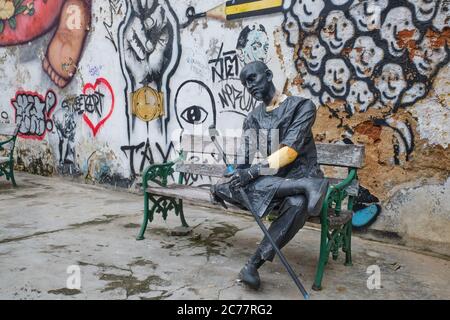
{"points": [[343, 155], [340, 155], [8, 129], [215, 170], [200, 196]]}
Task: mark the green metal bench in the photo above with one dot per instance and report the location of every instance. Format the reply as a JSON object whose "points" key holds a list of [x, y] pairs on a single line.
{"points": [[335, 221], [9, 132]]}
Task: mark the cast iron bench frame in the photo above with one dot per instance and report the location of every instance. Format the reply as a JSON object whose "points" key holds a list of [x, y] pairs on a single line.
{"points": [[7, 162], [336, 224]]}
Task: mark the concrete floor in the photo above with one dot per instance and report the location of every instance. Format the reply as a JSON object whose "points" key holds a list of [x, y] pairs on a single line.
{"points": [[49, 224]]}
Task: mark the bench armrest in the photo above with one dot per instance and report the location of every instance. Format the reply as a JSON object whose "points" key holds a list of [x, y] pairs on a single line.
{"points": [[336, 194], [158, 173], [8, 141], [347, 181]]}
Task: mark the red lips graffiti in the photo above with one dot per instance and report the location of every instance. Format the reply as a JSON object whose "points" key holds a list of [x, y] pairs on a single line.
{"points": [[103, 109]]}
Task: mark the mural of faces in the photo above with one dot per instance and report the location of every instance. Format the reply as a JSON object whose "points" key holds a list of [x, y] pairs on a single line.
{"points": [[312, 52], [253, 44], [365, 55], [424, 9], [391, 83], [194, 105], [308, 12], [367, 13], [397, 20], [441, 20], [337, 31], [359, 97], [428, 57], [336, 77]]}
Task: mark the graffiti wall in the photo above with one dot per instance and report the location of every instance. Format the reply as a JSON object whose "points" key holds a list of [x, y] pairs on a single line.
{"points": [[102, 89]]}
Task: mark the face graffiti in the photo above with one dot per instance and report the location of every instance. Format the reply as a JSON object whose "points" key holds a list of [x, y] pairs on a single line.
{"points": [[391, 83], [367, 13], [308, 11], [424, 9], [337, 31], [336, 77], [398, 20], [253, 44], [428, 57], [365, 55], [308, 81], [442, 20], [417, 91], [360, 97], [291, 29], [312, 52]]}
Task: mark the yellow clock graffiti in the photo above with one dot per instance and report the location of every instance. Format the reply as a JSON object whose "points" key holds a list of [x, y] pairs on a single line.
{"points": [[147, 104]]}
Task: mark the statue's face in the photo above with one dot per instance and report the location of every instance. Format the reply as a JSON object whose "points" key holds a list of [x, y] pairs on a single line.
{"points": [[257, 80]]}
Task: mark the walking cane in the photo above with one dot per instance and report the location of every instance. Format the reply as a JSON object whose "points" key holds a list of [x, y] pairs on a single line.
{"points": [[213, 132]]}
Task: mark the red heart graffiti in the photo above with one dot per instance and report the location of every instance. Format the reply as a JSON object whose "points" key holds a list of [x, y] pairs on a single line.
{"points": [[88, 86]]}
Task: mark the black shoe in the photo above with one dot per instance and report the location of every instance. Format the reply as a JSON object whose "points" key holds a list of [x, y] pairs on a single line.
{"points": [[250, 276]]}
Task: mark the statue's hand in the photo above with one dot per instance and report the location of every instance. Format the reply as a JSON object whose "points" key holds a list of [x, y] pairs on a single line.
{"points": [[243, 177]]}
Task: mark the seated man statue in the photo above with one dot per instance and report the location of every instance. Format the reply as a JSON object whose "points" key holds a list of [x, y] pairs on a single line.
{"points": [[289, 179]]}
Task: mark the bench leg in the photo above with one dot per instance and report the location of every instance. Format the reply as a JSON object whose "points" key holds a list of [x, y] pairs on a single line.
{"points": [[348, 245], [348, 236], [323, 257], [11, 174], [181, 212], [146, 217]]}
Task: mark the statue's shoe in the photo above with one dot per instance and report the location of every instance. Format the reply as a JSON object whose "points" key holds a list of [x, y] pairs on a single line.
{"points": [[249, 275]]}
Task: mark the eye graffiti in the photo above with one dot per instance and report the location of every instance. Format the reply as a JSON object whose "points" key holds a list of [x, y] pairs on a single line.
{"points": [[194, 115], [194, 105]]}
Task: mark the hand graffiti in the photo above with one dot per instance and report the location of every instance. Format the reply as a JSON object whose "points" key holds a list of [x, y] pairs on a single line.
{"points": [[147, 38], [33, 113]]}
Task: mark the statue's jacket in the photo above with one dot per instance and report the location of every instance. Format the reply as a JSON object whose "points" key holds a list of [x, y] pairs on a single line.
{"points": [[291, 125]]}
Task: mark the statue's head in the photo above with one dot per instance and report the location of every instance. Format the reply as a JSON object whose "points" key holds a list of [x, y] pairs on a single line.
{"points": [[256, 77]]}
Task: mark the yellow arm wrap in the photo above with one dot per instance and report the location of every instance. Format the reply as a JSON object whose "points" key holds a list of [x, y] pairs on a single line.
{"points": [[282, 158]]}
